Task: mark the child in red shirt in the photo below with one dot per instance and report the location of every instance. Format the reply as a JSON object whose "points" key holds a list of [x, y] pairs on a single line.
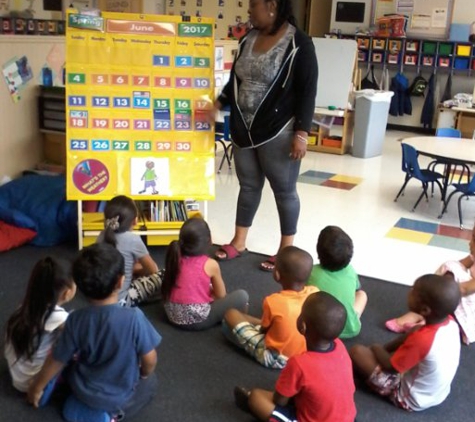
{"points": [[317, 385]]}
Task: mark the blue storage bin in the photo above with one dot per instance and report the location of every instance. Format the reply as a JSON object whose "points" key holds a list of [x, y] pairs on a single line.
{"points": [[462, 63]]}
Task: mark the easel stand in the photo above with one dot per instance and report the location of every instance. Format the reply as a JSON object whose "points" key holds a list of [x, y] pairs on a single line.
{"points": [[337, 77]]}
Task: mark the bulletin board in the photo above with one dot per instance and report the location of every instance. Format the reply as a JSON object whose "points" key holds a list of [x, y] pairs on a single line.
{"points": [[138, 88], [122, 6], [427, 19], [226, 12], [336, 65]]}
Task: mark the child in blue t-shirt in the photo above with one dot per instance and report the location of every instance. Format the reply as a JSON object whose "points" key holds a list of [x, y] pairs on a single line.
{"points": [[110, 349]]}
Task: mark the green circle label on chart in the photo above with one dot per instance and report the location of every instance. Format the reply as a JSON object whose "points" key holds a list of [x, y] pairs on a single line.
{"points": [[91, 177]]}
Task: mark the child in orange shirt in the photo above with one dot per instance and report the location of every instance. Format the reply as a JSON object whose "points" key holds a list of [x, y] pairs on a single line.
{"points": [[274, 338]]}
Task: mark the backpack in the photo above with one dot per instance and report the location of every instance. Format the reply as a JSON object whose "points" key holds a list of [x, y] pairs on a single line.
{"points": [[370, 81], [418, 87]]}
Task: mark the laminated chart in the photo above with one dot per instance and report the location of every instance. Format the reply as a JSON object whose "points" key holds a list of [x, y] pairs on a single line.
{"points": [[138, 88]]}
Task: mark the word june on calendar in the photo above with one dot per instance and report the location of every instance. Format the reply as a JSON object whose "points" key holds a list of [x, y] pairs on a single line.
{"points": [[138, 92]]}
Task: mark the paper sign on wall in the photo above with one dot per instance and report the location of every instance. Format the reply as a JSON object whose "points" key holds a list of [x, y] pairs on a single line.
{"points": [[17, 73]]}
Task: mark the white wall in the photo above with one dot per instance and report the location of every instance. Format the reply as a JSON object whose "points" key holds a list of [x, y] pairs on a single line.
{"points": [[156, 7], [20, 142], [149, 7], [464, 11]]}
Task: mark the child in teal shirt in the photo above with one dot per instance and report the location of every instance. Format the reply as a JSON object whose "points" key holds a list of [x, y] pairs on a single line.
{"points": [[336, 276]]}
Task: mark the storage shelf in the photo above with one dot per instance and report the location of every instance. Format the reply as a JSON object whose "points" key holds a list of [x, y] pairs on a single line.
{"points": [[52, 122], [328, 112], [415, 52], [156, 233], [322, 132]]}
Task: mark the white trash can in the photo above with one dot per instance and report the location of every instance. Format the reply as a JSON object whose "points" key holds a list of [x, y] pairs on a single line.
{"points": [[371, 119]]}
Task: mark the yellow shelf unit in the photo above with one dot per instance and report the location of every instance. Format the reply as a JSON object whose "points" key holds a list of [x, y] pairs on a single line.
{"points": [[323, 133], [157, 233]]}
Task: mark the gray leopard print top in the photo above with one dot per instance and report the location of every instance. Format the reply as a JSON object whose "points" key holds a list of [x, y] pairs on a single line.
{"points": [[257, 72]]}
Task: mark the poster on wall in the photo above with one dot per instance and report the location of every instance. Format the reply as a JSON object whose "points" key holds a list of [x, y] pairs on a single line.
{"points": [[4, 6], [138, 89], [17, 73]]}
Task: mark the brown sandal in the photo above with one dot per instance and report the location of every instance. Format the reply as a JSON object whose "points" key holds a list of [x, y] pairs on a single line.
{"points": [[229, 251]]}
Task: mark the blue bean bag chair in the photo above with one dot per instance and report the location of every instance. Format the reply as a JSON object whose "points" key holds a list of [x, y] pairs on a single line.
{"points": [[38, 203]]}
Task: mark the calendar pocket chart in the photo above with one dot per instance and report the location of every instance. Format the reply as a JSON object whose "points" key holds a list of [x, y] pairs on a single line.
{"points": [[138, 92]]}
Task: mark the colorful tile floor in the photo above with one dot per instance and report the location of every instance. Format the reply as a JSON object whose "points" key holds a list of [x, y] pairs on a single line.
{"points": [[431, 234], [331, 180], [399, 253]]}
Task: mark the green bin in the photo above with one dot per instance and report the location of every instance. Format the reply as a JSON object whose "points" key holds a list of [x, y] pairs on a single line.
{"points": [[429, 47], [445, 49]]}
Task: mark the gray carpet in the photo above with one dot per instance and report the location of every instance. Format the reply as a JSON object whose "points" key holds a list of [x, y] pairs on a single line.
{"points": [[197, 371]]}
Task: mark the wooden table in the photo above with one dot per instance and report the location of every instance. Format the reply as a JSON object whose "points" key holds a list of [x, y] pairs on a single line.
{"points": [[461, 118], [465, 120], [451, 151]]}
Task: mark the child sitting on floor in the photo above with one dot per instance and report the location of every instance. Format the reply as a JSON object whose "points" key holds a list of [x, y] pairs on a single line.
{"points": [[316, 385], [274, 338], [143, 279], [463, 272], [416, 370], [111, 348], [193, 289], [336, 276], [36, 324]]}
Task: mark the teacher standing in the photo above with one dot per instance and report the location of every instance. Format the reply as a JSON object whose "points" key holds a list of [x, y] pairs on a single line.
{"points": [[271, 93]]}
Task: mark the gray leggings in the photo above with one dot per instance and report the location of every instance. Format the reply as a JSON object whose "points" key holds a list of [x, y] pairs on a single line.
{"points": [[270, 161], [238, 299]]}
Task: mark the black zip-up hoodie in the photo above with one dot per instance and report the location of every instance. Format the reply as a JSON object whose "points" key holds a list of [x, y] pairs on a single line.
{"points": [[291, 95]]}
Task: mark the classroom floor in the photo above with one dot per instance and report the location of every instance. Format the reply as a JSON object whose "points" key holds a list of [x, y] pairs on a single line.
{"points": [[391, 242]]}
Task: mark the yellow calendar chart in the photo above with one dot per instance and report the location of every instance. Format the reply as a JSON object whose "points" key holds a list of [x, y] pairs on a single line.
{"points": [[138, 88]]}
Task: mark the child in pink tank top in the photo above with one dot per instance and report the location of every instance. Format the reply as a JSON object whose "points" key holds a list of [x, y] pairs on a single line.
{"points": [[193, 289]]}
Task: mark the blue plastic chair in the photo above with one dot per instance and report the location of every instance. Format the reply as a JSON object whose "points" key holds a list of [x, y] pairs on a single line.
{"points": [[223, 137], [466, 190], [410, 166], [450, 132]]}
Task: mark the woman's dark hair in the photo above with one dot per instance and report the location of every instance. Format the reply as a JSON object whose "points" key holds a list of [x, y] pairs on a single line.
{"points": [[334, 248], [194, 240], [284, 13], [25, 327], [119, 215]]}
